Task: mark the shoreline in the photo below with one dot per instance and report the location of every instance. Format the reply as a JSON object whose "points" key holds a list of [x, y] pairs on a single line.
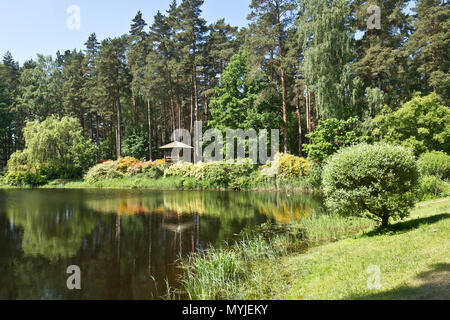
{"points": [[163, 184]]}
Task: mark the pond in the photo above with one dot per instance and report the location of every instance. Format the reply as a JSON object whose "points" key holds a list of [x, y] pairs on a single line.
{"points": [[126, 243]]}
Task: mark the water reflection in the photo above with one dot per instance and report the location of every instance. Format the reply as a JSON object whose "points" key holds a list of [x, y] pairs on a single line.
{"points": [[125, 242]]}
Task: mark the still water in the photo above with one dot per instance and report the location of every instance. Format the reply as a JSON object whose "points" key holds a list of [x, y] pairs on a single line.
{"points": [[126, 243]]}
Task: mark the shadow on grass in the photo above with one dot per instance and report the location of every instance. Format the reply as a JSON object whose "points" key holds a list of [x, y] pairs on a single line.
{"points": [[431, 285], [406, 226]]}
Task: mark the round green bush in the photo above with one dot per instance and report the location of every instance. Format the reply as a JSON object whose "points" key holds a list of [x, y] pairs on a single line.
{"points": [[377, 180], [435, 163]]}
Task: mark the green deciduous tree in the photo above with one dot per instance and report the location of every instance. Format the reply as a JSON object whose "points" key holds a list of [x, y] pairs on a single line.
{"points": [[325, 35], [57, 144], [332, 135], [422, 124], [236, 103]]}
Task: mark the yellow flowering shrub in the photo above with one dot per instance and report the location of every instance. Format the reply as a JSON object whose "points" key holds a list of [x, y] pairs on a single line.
{"points": [[125, 163], [159, 161], [293, 167]]}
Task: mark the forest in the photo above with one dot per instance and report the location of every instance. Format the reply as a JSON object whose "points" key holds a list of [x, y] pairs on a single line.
{"points": [[308, 68], [361, 176]]}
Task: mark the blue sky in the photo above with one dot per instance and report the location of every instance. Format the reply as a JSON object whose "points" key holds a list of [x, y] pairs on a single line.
{"points": [[28, 27]]}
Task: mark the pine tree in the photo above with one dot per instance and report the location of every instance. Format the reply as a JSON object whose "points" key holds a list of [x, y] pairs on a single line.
{"points": [[10, 74], [192, 36], [90, 88], [221, 45], [136, 60], [429, 46], [73, 84], [5, 124], [271, 20], [381, 62], [39, 89], [113, 79]]}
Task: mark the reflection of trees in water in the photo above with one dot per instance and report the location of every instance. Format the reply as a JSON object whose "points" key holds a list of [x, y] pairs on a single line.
{"points": [[54, 230], [226, 205], [137, 239]]}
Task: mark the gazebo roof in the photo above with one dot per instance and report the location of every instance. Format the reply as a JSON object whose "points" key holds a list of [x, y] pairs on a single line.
{"points": [[176, 145]]}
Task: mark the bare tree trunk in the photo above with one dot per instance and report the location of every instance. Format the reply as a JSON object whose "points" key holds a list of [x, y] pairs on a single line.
{"points": [[97, 135], [206, 109], [191, 124], [136, 114], [299, 121], [149, 119], [172, 104], [164, 123], [119, 131], [308, 111], [283, 80]]}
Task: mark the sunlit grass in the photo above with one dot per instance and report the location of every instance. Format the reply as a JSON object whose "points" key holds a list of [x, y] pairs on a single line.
{"points": [[229, 272], [326, 257]]}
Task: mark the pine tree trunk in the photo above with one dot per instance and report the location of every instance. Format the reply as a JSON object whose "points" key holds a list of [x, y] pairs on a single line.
{"points": [[149, 118], [172, 105], [97, 135], [283, 80], [308, 111], [191, 125], [299, 122], [136, 114], [164, 122], [206, 109], [194, 77], [119, 131]]}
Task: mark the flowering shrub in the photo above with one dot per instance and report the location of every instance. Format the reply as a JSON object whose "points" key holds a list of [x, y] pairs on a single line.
{"points": [[180, 169], [103, 171], [159, 161], [287, 166], [214, 174], [125, 163], [293, 167], [153, 170]]}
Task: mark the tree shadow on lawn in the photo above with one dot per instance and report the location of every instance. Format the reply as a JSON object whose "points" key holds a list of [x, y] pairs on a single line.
{"points": [[406, 226], [431, 285]]}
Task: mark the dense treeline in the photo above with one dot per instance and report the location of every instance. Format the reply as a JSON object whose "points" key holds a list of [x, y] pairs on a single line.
{"points": [[297, 63]]}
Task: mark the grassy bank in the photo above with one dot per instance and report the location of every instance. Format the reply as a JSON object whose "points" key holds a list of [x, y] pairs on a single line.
{"points": [[328, 258], [175, 183]]}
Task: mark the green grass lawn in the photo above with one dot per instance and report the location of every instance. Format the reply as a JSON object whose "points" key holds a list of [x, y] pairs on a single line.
{"points": [[413, 257], [327, 257]]}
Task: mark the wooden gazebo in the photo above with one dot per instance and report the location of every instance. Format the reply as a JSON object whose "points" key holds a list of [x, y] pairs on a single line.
{"points": [[177, 146]]}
